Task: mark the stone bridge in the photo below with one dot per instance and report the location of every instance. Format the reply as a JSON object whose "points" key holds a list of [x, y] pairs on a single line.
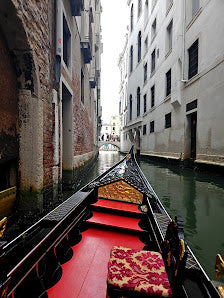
{"points": [[114, 143]]}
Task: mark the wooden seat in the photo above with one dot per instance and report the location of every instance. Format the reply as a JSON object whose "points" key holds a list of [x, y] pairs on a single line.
{"points": [[134, 273]]}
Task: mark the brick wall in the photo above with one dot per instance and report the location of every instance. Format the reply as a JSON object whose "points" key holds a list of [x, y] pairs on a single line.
{"points": [[8, 106], [39, 21]]}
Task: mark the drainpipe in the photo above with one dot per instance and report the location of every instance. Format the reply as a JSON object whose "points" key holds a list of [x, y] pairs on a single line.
{"points": [[183, 42]]}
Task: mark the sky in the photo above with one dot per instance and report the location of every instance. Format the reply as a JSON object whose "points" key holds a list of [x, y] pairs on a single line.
{"points": [[114, 21]]}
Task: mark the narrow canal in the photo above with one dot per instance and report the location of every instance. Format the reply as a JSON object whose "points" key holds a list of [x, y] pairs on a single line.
{"points": [[198, 197]]}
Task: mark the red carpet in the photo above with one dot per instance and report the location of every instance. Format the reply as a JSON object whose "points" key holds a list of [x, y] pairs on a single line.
{"points": [[117, 221], [115, 205], [84, 276]]}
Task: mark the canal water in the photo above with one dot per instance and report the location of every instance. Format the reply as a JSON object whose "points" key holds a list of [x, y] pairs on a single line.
{"points": [[197, 197]]}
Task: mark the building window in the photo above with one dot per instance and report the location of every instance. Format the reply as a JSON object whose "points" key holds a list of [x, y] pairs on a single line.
{"points": [[146, 45], [193, 60], [130, 104], [192, 105], [169, 36], [146, 13], [153, 61], [168, 120], [66, 43], [153, 29], [138, 101], [153, 96], [139, 7], [132, 18], [168, 82], [82, 87], [139, 45], [144, 129], [151, 126], [195, 6], [145, 72], [145, 103], [131, 59]]}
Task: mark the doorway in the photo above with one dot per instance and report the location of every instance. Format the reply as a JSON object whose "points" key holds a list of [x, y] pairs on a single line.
{"points": [[67, 132]]}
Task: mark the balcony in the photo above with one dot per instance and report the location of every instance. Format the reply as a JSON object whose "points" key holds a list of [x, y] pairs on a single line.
{"points": [[76, 7], [86, 36]]}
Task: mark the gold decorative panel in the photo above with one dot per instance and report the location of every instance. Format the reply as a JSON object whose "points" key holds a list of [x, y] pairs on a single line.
{"points": [[121, 191]]}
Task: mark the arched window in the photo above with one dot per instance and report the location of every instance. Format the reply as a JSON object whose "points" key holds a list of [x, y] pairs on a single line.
{"points": [[132, 18], [138, 101], [131, 59], [139, 45], [130, 106]]}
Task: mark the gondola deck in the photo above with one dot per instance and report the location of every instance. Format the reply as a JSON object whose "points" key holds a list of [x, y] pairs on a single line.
{"points": [[92, 253], [66, 253]]}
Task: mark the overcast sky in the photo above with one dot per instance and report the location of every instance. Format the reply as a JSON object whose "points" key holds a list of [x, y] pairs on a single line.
{"points": [[114, 21]]}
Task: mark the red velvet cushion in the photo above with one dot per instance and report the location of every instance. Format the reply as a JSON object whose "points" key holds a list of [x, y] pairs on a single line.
{"points": [[140, 271]]}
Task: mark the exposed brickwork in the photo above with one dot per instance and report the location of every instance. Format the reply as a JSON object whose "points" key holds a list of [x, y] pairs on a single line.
{"points": [[8, 106], [37, 17], [83, 125]]}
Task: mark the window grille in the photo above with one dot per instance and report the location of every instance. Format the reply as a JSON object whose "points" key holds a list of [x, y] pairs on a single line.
{"points": [[145, 103], [192, 105], [131, 59], [154, 29], [152, 126], [138, 101], [139, 45], [145, 72], [153, 96], [130, 103], [168, 120], [193, 60], [168, 82], [153, 61], [170, 35]]}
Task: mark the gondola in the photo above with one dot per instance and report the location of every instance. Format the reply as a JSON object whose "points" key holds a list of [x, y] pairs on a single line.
{"points": [[112, 238]]}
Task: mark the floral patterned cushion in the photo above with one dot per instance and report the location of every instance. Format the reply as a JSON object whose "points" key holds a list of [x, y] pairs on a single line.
{"points": [[140, 271]]}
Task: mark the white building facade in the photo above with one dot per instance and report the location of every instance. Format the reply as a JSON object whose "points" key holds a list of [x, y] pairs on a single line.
{"points": [[173, 99], [105, 132]]}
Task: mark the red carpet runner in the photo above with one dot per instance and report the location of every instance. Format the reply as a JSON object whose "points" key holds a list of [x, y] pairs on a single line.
{"points": [[84, 276]]}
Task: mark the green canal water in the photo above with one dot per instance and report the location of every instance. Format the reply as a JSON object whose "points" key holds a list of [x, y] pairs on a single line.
{"points": [[197, 197]]}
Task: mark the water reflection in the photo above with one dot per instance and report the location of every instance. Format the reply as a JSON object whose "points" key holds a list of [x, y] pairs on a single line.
{"points": [[189, 196], [199, 198]]}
